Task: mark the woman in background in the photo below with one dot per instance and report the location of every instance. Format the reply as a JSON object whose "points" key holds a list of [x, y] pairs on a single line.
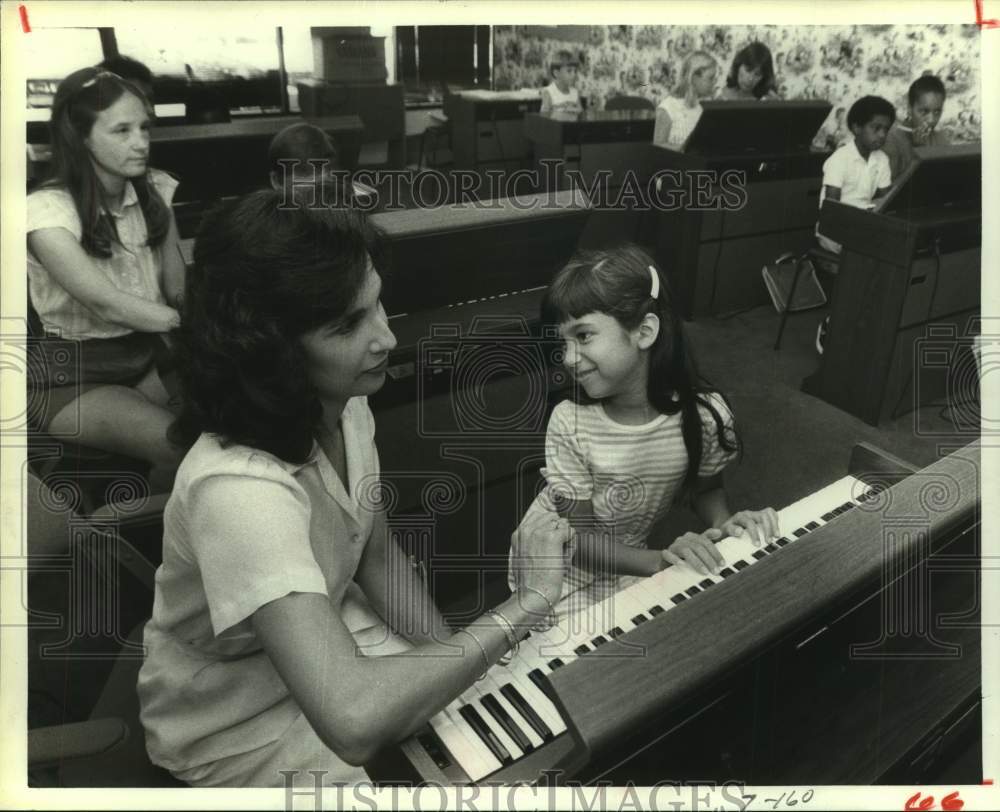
{"points": [[751, 76], [105, 273]]}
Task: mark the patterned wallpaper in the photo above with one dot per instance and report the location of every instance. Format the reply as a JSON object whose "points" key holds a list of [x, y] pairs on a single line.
{"points": [[836, 63]]}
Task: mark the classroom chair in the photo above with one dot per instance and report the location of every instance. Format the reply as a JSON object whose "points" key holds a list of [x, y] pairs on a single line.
{"points": [[107, 749], [431, 142], [823, 260]]}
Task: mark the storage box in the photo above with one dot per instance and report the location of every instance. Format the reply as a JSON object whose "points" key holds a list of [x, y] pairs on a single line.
{"points": [[349, 55]]}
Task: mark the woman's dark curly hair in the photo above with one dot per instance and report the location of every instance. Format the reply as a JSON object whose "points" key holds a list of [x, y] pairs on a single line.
{"points": [[263, 276]]}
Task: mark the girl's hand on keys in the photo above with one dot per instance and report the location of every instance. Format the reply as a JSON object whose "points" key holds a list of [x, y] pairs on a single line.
{"points": [[761, 524], [698, 550]]}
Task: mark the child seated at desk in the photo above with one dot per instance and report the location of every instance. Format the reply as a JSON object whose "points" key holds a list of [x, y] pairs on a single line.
{"points": [[926, 101], [858, 172], [676, 115], [305, 164], [561, 94]]}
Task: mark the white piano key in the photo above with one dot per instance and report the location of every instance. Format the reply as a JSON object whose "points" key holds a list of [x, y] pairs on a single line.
{"points": [[491, 722], [474, 743], [464, 743], [617, 610], [736, 547], [660, 588], [813, 506], [491, 686], [559, 641], [627, 605], [540, 703], [667, 583], [468, 756]]}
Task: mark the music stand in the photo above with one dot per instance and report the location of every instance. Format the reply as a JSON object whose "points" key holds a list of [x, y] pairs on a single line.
{"points": [[765, 127], [941, 176]]}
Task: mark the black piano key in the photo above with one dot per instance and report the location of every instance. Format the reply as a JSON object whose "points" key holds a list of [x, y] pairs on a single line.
{"points": [[489, 738], [783, 541], [771, 548], [692, 591], [600, 640], [680, 597], [800, 532], [498, 712], [556, 663], [616, 631], [528, 712], [582, 649], [827, 516], [812, 526], [435, 748], [536, 676], [741, 564], [656, 610], [639, 619], [846, 506], [759, 554], [725, 572], [706, 583]]}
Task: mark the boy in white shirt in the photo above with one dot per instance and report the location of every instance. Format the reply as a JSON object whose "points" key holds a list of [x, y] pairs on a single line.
{"points": [[561, 95], [858, 172]]}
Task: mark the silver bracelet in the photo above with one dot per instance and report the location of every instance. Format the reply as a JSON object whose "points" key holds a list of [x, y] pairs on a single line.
{"points": [[552, 610], [513, 644], [482, 650]]}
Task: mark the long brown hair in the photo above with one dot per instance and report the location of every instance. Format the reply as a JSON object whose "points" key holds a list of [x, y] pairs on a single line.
{"points": [[80, 98], [618, 282]]}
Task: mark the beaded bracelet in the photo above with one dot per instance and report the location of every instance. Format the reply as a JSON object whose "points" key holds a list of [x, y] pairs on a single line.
{"points": [[513, 644], [551, 618], [482, 650]]}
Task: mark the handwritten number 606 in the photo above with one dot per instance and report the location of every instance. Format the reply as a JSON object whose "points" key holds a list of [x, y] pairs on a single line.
{"points": [[949, 803]]}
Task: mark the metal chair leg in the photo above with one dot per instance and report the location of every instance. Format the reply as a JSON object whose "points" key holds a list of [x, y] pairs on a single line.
{"points": [[788, 304]]}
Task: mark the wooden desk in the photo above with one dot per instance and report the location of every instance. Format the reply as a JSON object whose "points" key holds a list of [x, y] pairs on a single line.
{"points": [[487, 130], [380, 108], [214, 161], [714, 255], [821, 671], [591, 141], [597, 150], [904, 308], [346, 126]]}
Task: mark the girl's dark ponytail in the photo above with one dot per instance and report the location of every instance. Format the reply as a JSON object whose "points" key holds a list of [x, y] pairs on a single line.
{"points": [[625, 283]]}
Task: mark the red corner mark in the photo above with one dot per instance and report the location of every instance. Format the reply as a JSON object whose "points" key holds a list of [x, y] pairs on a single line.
{"points": [[979, 17], [25, 25], [987, 782]]}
